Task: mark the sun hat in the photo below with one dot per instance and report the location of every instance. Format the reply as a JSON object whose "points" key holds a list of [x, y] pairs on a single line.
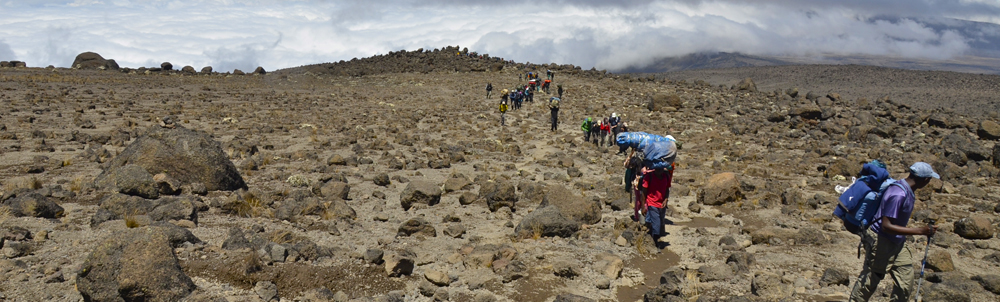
{"points": [[614, 114], [923, 170]]}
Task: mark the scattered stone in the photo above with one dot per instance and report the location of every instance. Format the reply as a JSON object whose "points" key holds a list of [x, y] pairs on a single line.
{"points": [[454, 231], [746, 84], [710, 273], [420, 191], [498, 194], [467, 198], [92, 60], [335, 189], [989, 130], [399, 263], [989, 282], [834, 276], [940, 261], [32, 204], [437, 277], [720, 189], [382, 179], [572, 298], [417, 226], [741, 261], [609, 265], [373, 256], [769, 286], [266, 290]]}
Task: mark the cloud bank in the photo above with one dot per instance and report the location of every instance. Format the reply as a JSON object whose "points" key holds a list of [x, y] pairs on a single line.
{"points": [[613, 35]]}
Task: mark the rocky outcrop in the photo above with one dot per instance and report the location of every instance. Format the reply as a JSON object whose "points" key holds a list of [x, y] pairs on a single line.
{"points": [[186, 155], [92, 60]]}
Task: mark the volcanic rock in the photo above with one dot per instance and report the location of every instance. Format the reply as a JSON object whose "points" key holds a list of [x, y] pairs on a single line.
{"points": [[32, 204], [136, 265], [769, 286], [166, 66], [417, 226], [662, 101], [974, 228], [720, 189], [129, 179], [420, 191], [187, 155], [989, 130], [92, 60], [940, 261], [498, 194]]}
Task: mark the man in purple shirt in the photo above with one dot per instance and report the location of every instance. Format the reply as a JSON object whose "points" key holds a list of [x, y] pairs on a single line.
{"points": [[886, 250]]}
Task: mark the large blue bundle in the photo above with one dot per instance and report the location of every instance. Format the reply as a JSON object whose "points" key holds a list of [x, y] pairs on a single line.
{"points": [[638, 140], [658, 151]]}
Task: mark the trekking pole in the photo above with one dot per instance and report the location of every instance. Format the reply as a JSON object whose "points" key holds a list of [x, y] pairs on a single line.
{"points": [[923, 264]]}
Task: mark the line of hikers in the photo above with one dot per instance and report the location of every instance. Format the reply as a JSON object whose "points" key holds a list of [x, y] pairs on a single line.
{"points": [[603, 130]]}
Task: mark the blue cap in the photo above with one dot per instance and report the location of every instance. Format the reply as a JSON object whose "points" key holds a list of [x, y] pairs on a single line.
{"points": [[923, 170]]}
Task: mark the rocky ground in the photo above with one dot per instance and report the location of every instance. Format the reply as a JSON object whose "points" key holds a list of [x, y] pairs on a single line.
{"points": [[367, 181]]}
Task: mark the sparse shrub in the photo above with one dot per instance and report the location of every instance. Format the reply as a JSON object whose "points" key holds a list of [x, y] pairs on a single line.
{"points": [[298, 180]]}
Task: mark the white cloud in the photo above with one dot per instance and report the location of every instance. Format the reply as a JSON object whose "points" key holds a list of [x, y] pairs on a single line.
{"points": [[244, 34]]}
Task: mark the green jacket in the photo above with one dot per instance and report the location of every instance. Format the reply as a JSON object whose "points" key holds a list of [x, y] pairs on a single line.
{"points": [[586, 125]]}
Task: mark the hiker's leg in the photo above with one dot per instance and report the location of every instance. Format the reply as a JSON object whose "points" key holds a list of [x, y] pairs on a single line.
{"points": [[873, 271], [655, 218], [902, 274]]}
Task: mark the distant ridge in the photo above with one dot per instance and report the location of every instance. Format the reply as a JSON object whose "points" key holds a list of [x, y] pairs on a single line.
{"points": [[725, 60], [707, 60]]}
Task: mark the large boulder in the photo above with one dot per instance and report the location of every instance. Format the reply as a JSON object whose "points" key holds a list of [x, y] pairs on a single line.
{"points": [[92, 60], [720, 189], [129, 179], [420, 191], [546, 221], [189, 156], [974, 228], [32, 204], [498, 194], [136, 265], [572, 206]]}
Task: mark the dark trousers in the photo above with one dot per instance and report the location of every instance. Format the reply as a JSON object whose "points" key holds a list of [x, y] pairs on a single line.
{"points": [[488, 93], [586, 136], [555, 117]]}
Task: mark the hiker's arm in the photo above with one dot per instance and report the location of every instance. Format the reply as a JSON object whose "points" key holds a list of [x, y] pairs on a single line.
{"points": [[901, 230]]}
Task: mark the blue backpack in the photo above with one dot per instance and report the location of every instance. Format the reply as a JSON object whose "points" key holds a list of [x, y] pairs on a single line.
{"points": [[858, 205]]}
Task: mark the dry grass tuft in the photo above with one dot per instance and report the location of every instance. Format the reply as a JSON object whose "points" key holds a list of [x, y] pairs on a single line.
{"points": [[5, 213], [281, 237], [250, 204], [31, 183], [131, 220]]}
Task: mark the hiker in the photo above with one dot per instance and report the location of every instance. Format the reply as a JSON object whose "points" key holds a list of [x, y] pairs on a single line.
{"points": [[605, 130], [545, 85], [503, 112], [595, 130], [560, 90], [529, 95], [615, 123], [654, 189], [886, 249], [554, 110], [632, 165], [489, 89], [587, 125]]}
